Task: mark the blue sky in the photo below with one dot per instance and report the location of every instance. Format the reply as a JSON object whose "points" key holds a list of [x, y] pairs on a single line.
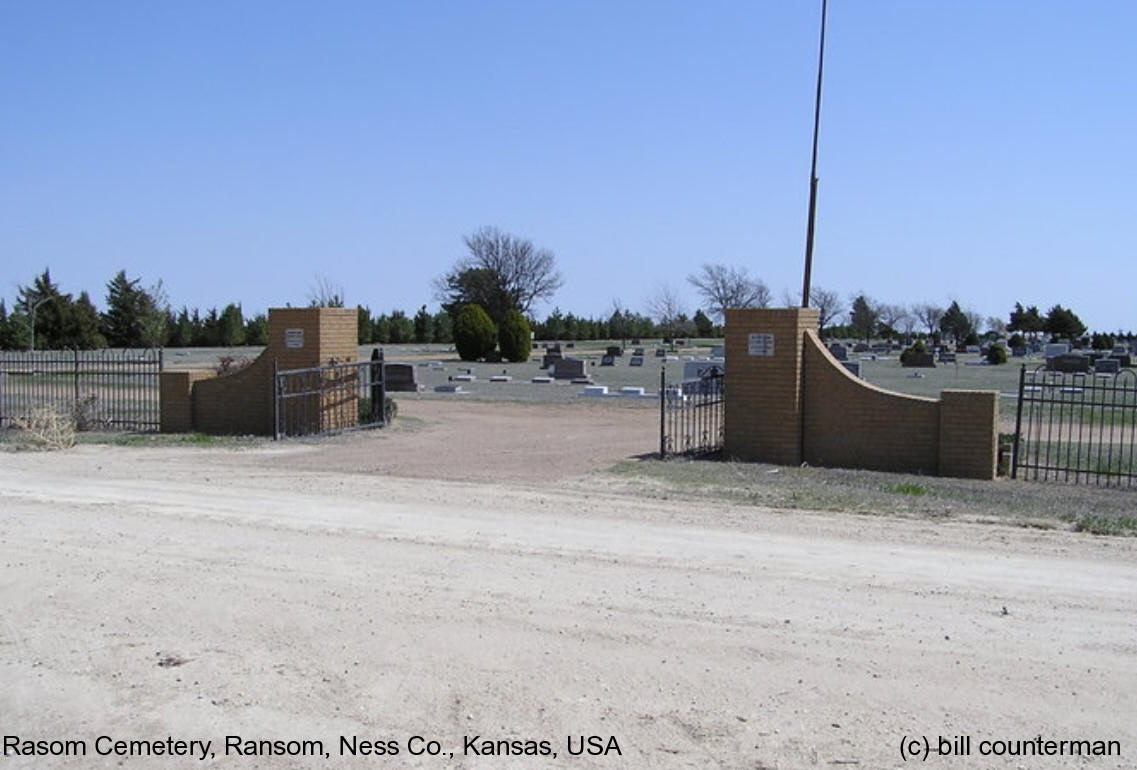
{"points": [[979, 150]]}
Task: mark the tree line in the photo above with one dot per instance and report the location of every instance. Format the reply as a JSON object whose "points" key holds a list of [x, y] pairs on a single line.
{"points": [[503, 276]]}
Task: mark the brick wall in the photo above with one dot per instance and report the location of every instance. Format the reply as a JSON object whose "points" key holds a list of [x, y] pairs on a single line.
{"points": [[800, 405], [763, 404], [969, 434], [852, 424], [242, 402]]}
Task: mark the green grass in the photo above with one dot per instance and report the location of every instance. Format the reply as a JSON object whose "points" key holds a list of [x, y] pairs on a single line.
{"points": [[915, 490]]}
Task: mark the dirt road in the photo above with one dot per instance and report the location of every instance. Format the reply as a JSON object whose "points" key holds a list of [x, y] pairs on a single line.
{"points": [[198, 594]]}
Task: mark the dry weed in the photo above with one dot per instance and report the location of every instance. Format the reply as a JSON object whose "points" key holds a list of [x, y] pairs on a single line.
{"points": [[47, 428]]}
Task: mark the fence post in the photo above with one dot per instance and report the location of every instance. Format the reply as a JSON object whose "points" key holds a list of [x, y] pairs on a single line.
{"points": [[662, 411], [276, 399], [75, 378], [377, 412], [1018, 424]]}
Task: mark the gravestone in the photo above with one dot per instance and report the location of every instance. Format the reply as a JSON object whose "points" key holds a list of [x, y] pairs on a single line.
{"points": [[861, 347], [568, 369], [1056, 349], [636, 361], [1068, 362], [1019, 351], [660, 353], [680, 343], [946, 357], [694, 370], [552, 355], [615, 351], [854, 367], [399, 378], [839, 351], [608, 361], [1107, 366], [718, 351], [638, 352], [635, 340]]}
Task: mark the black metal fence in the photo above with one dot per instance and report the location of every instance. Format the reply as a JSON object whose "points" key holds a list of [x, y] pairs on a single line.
{"points": [[100, 389], [1076, 427], [691, 415], [321, 400]]}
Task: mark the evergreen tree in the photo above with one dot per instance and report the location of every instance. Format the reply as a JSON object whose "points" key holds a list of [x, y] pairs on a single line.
{"points": [[256, 330], [956, 324], [231, 327], [363, 325], [863, 317], [82, 329], [424, 326], [703, 325], [443, 328], [513, 337]]}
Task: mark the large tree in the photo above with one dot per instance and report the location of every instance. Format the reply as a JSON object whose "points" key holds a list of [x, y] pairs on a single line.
{"points": [[956, 323], [1063, 324], [728, 287], [135, 317], [828, 306], [929, 315], [665, 306], [501, 272], [863, 317]]}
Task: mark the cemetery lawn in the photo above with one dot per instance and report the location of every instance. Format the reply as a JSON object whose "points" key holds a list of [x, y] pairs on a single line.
{"points": [[481, 570]]}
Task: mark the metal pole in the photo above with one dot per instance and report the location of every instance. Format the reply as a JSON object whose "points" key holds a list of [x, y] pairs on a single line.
{"points": [[662, 410], [805, 285], [1018, 425]]}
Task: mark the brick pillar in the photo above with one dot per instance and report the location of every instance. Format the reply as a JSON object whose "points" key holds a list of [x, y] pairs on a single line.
{"points": [[763, 421]]}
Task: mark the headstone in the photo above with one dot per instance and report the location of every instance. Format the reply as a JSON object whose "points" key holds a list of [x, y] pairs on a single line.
{"points": [[448, 388], [399, 378], [694, 370], [680, 343], [614, 350], [638, 352], [972, 349], [718, 351], [501, 378], [861, 347], [839, 351], [570, 345], [1056, 349], [854, 367], [636, 361], [581, 380], [635, 340], [631, 390], [568, 368], [541, 380], [464, 378], [552, 355], [660, 353], [1019, 351], [946, 357], [608, 360], [1068, 362], [595, 390], [1107, 366]]}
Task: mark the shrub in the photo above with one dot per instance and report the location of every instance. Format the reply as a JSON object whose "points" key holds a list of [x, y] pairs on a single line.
{"points": [[474, 333], [996, 354], [46, 428], [390, 410], [1017, 341], [918, 348], [513, 337]]}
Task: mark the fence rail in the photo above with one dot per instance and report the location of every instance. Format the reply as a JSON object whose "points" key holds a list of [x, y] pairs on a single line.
{"points": [[1076, 427], [335, 398], [101, 389], [691, 415]]}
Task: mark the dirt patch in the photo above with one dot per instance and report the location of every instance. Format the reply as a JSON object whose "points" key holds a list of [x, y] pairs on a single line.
{"points": [[270, 593]]}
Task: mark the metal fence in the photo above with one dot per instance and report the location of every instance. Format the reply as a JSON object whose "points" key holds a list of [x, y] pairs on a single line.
{"points": [[691, 415], [1076, 427], [100, 389], [321, 400]]}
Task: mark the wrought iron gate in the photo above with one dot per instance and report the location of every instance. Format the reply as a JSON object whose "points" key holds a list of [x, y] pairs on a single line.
{"points": [[328, 399], [1076, 427], [691, 415]]}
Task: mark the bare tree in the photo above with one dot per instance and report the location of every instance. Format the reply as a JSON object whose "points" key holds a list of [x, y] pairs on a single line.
{"points": [[929, 315], [726, 287], [502, 272], [325, 294], [828, 305], [890, 317], [665, 306]]}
